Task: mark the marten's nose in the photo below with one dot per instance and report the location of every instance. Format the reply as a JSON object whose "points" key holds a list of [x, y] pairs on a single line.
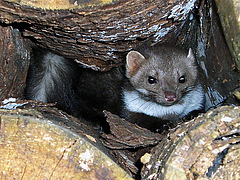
{"points": [[170, 96]]}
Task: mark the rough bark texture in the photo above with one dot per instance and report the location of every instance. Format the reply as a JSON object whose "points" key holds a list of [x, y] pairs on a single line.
{"points": [[229, 12], [218, 71], [205, 148], [99, 36], [14, 61], [128, 142], [45, 143]]}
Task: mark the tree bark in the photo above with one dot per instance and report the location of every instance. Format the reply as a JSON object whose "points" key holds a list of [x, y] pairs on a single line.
{"points": [[229, 12], [14, 62], [218, 71], [98, 36]]}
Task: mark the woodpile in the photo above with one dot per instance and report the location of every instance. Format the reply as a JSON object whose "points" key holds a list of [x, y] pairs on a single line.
{"points": [[38, 140]]}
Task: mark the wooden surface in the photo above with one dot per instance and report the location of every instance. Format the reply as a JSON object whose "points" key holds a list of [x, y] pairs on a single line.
{"points": [[82, 34], [36, 147], [64, 4], [229, 12], [14, 61], [217, 66], [99, 36], [204, 148]]}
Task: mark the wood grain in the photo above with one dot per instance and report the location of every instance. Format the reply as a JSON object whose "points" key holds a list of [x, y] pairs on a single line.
{"points": [[36, 147]]}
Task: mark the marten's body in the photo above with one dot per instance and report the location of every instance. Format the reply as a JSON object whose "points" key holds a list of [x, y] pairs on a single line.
{"points": [[79, 91], [160, 83]]}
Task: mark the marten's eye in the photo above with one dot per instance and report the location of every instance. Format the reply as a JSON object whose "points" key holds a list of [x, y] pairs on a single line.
{"points": [[152, 80], [182, 79]]}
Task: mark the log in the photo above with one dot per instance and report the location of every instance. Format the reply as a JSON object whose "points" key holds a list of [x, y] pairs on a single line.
{"points": [[204, 148], [128, 142], [229, 12], [45, 143], [97, 35], [218, 68], [14, 62]]}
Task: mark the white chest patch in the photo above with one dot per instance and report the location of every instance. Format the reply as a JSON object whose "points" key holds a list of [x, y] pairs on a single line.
{"points": [[190, 102]]}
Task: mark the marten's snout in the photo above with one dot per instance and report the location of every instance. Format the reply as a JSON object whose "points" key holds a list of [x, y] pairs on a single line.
{"points": [[170, 96]]}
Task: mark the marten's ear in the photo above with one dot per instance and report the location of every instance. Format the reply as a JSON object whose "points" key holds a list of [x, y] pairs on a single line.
{"points": [[134, 61], [191, 57]]}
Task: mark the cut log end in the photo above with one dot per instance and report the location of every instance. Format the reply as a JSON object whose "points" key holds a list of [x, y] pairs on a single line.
{"points": [[63, 4], [206, 147], [34, 146]]}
